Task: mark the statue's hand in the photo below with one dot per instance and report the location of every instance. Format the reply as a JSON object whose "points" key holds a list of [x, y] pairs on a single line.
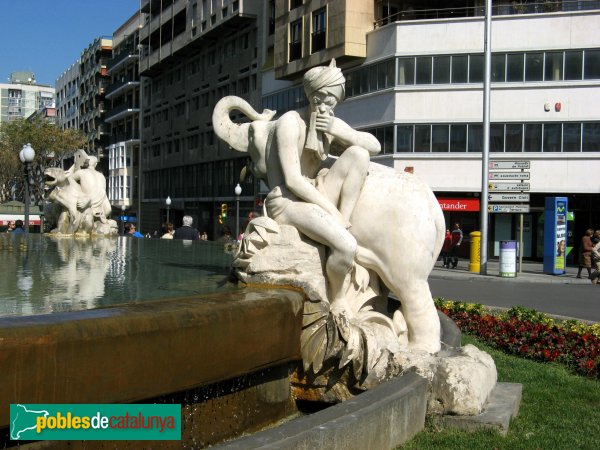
{"points": [[325, 123]]}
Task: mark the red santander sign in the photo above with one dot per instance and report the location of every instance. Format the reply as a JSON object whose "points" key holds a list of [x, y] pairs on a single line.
{"points": [[459, 204]]}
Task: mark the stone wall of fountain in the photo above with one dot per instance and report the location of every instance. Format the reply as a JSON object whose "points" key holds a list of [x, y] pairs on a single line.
{"points": [[224, 357]]}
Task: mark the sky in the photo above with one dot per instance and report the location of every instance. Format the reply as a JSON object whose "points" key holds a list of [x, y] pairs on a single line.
{"points": [[47, 36]]}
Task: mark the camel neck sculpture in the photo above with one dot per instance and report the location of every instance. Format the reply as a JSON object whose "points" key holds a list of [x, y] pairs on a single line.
{"points": [[78, 202], [320, 232]]}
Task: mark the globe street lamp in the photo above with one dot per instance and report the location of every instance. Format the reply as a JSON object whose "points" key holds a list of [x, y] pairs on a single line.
{"points": [[27, 155], [238, 192], [168, 203]]}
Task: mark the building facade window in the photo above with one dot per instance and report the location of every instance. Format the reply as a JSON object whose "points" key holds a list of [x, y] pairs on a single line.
{"points": [[295, 40], [551, 137], [319, 30]]}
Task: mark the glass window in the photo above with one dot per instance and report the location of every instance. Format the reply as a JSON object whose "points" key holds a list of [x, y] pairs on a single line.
{"points": [[458, 138], [406, 71], [459, 69], [514, 137], [439, 138], [554, 66], [350, 84], [441, 69], [591, 137], [475, 138], [533, 137], [497, 137], [475, 68], [319, 30], [296, 40], [534, 66], [498, 67], [592, 64], [514, 67], [571, 137], [388, 140], [372, 71], [552, 137], [382, 75], [422, 138], [364, 81], [573, 65], [424, 70], [404, 138]]}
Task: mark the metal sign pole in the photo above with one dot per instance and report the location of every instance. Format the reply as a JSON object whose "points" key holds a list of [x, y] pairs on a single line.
{"points": [[485, 157], [520, 242]]}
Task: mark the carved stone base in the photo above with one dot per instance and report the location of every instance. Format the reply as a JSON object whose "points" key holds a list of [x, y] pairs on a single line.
{"points": [[345, 353]]}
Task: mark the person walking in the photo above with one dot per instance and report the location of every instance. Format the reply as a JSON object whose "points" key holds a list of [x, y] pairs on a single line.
{"points": [[186, 231], [447, 249], [18, 227], [167, 231], [585, 253], [457, 237], [596, 258], [131, 232]]}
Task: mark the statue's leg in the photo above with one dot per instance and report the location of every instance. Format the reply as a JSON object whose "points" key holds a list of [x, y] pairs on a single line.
{"points": [[424, 330], [344, 180], [316, 224]]}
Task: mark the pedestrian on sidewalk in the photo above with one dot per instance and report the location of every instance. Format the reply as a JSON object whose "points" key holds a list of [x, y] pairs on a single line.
{"points": [[457, 237], [447, 249], [585, 253], [596, 258]]}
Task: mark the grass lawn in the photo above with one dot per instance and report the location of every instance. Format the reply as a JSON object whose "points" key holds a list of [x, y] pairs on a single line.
{"points": [[558, 410]]}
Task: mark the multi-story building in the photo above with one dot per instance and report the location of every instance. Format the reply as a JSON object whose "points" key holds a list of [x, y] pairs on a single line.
{"points": [[414, 76], [67, 98], [21, 97], [93, 81], [47, 113], [123, 118], [194, 53]]}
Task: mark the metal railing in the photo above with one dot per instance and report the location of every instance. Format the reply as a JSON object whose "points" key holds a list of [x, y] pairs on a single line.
{"points": [[512, 8]]}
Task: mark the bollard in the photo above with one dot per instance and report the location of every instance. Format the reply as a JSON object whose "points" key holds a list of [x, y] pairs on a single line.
{"points": [[475, 260]]}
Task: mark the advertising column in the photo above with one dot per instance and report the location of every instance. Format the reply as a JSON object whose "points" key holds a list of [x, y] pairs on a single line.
{"points": [[555, 235]]}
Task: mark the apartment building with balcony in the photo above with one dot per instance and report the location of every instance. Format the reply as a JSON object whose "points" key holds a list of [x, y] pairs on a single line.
{"points": [[67, 98], [414, 74], [122, 118], [21, 97], [93, 80], [193, 52]]}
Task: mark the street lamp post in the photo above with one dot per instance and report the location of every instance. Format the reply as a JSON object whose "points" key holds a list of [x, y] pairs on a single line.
{"points": [[123, 209], [168, 203], [27, 155], [238, 192]]}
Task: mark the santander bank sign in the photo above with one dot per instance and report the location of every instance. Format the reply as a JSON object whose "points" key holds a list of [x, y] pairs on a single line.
{"points": [[459, 204]]}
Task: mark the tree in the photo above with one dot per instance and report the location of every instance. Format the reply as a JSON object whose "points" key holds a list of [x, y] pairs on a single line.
{"points": [[51, 144]]}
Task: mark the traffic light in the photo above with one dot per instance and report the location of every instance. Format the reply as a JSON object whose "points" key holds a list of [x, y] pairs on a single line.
{"points": [[224, 210]]}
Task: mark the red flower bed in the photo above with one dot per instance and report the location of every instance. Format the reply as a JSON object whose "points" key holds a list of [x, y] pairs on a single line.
{"points": [[538, 341]]}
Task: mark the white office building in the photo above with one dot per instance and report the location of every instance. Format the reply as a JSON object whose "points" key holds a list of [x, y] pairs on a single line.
{"points": [[419, 89]]}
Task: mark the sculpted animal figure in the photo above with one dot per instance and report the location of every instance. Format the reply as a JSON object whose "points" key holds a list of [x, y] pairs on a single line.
{"points": [[61, 190], [396, 221]]}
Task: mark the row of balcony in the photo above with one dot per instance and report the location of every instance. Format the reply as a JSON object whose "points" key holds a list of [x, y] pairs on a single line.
{"points": [[120, 59], [120, 87], [121, 111]]}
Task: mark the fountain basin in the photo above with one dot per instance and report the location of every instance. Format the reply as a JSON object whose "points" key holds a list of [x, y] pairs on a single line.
{"points": [[139, 351]]}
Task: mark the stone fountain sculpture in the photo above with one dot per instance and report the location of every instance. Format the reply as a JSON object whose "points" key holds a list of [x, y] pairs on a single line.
{"points": [[79, 205], [347, 231]]}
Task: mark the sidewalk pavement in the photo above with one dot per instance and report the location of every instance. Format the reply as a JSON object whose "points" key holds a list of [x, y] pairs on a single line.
{"points": [[531, 272]]}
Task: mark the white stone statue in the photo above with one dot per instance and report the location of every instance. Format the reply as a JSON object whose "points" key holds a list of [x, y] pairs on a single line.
{"points": [[377, 229], [79, 194]]}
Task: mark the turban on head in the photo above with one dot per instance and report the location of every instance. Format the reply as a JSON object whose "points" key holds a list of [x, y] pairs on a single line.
{"points": [[324, 78]]}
